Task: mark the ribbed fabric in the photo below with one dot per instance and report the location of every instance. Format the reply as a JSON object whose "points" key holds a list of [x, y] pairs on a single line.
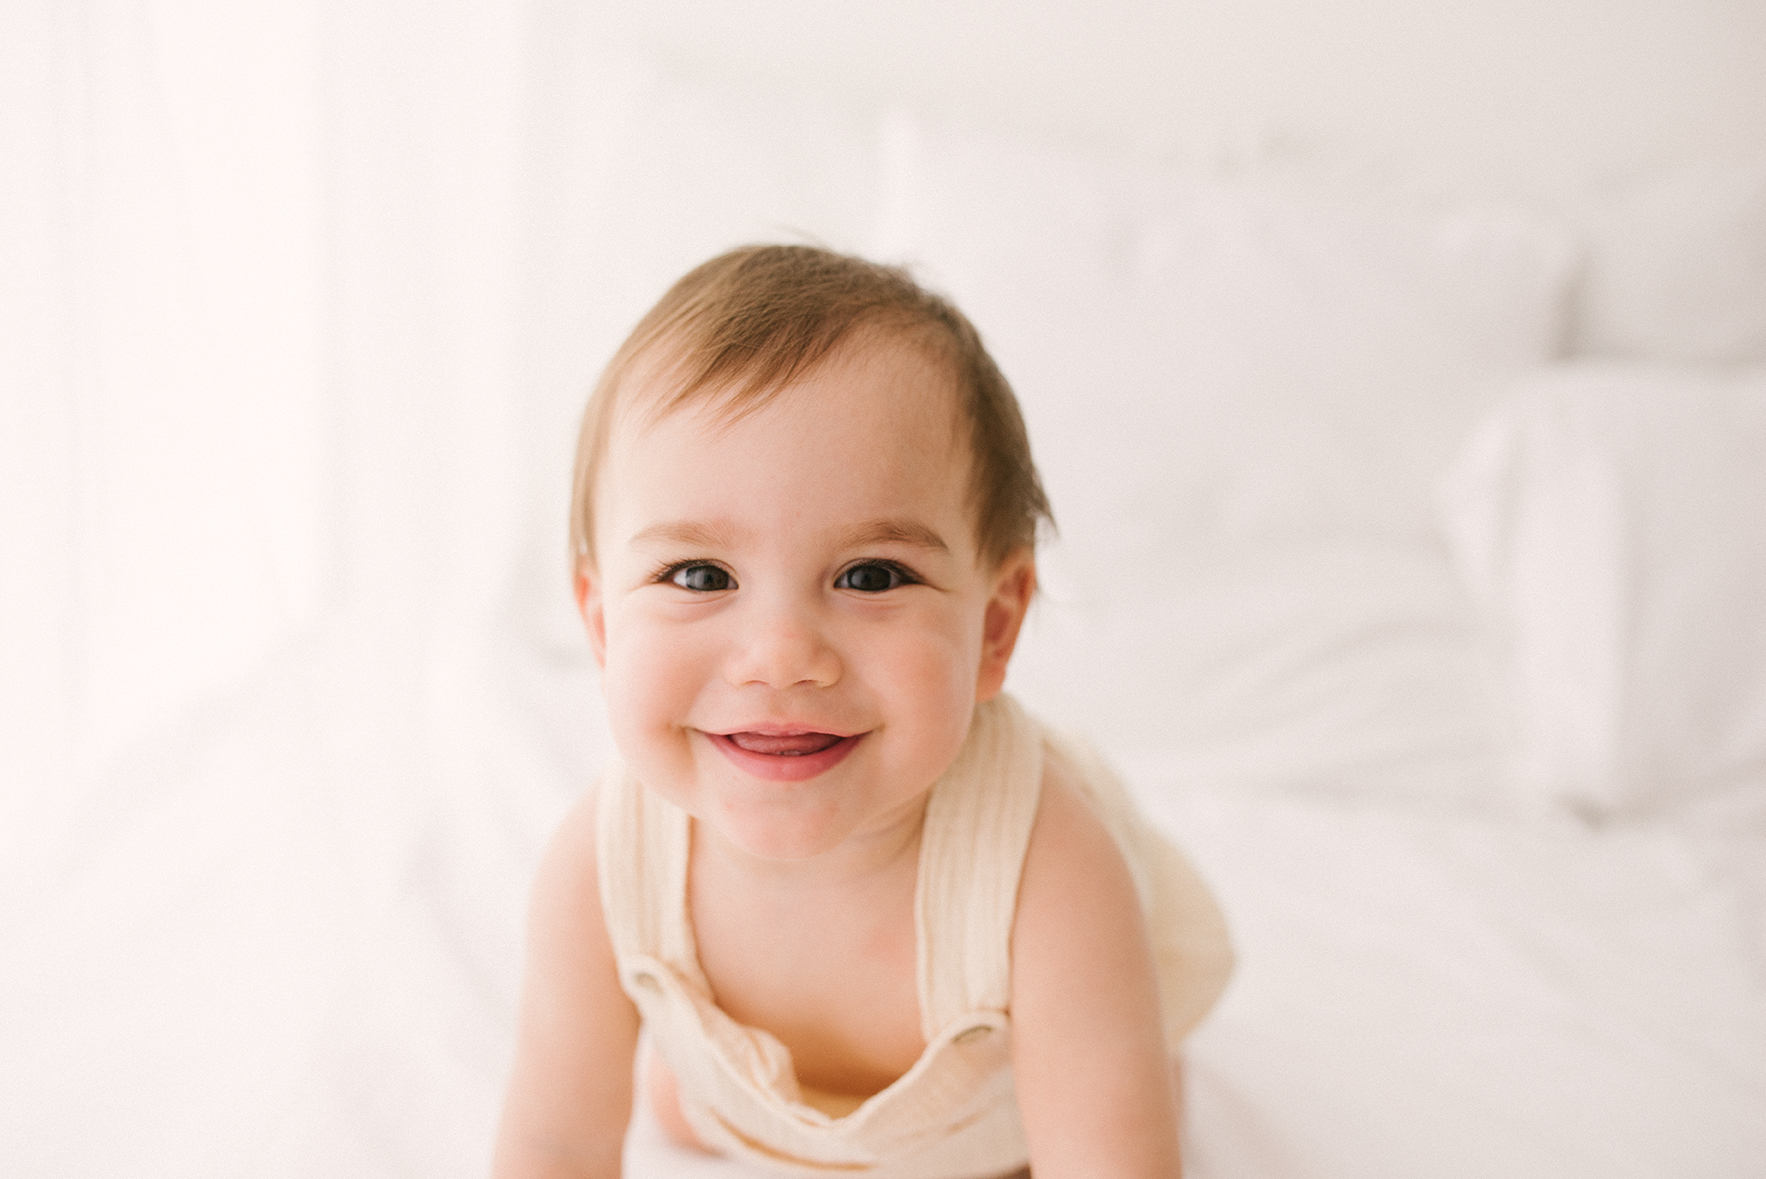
{"points": [[953, 1115]]}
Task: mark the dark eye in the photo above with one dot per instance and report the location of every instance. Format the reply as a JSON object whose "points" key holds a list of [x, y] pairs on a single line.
{"points": [[704, 579], [870, 579]]}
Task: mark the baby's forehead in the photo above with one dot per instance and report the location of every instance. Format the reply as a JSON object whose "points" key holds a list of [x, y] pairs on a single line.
{"points": [[924, 385]]}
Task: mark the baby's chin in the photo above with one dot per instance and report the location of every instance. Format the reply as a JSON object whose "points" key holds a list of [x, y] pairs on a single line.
{"points": [[775, 839], [775, 818], [803, 828], [779, 822]]}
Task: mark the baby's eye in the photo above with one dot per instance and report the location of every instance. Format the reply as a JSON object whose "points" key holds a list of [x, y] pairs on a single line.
{"points": [[872, 578], [704, 579]]}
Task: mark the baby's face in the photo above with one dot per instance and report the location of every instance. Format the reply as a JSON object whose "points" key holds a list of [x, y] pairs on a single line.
{"points": [[791, 612]]}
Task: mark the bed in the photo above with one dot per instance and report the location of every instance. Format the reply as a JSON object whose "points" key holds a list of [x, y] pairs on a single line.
{"points": [[1410, 564]]}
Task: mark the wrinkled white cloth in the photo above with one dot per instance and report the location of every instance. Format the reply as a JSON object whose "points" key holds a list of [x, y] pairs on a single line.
{"points": [[953, 1114]]}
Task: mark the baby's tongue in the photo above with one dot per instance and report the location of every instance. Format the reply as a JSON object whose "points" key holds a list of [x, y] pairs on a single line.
{"points": [[785, 745]]}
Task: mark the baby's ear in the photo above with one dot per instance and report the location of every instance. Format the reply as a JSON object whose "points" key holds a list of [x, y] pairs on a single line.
{"points": [[1014, 584], [588, 604]]}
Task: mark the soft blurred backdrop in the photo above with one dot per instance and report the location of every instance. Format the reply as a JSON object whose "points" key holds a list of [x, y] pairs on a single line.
{"points": [[298, 303]]}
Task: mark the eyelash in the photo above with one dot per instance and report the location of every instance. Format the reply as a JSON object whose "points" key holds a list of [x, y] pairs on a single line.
{"points": [[903, 575], [666, 574]]}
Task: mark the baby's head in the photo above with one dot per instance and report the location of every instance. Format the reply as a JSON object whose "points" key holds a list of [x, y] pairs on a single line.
{"points": [[803, 524], [739, 329]]}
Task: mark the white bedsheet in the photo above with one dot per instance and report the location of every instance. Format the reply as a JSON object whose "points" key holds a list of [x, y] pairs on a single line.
{"points": [[1425, 995], [298, 956]]}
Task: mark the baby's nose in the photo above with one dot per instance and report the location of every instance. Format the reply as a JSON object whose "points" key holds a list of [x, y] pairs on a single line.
{"points": [[784, 647]]}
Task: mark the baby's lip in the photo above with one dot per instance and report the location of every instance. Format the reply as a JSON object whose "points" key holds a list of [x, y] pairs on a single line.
{"points": [[779, 742], [775, 753]]}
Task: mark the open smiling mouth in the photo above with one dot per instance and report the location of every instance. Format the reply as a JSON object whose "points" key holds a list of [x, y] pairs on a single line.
{"points": [[785, 757]]}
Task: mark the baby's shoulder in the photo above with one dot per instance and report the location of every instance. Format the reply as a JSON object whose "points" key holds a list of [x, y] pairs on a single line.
{"points": [[1079, 916], [1069, 836], [566, 890]]}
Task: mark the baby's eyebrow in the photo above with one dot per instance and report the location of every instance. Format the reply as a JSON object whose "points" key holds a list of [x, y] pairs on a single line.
{"points": [[909, 532], [704, 534], [690, 533]]}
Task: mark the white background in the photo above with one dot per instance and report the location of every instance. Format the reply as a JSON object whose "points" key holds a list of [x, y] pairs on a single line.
{"points": [[278, 353], [224, 228]]}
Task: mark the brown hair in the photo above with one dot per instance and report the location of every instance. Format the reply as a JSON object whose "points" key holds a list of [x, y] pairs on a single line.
{"points": [[746, 324]]}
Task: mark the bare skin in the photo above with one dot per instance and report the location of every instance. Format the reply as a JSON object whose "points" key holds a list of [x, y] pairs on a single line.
{"points": [[570, 1092], [723, 609]]}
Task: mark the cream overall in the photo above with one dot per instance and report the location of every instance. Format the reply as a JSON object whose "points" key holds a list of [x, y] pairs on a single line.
{"points": [[952, 1115]]}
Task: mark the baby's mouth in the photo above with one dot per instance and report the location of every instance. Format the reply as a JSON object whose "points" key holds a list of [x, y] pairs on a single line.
{"points": [[784, 757], [784, 744]]}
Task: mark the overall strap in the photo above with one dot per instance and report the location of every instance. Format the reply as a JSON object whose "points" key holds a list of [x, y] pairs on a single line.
{"points": [[642, 844], [977, 828]]}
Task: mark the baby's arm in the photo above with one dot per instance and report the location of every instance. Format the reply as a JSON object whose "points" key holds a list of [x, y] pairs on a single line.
{"points": [[570, 1095], [1095, 1087]]}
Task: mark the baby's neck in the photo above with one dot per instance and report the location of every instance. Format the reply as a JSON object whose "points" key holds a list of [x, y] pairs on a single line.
{"points": [[820, 952]]}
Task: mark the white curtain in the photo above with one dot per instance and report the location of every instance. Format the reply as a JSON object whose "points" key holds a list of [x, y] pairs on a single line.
{"points": [[256, 373], [259, 298]]}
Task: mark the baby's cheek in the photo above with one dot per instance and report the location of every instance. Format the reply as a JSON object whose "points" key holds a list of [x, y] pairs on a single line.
{"points": [[649, 682], [937, 673], [943, 657], [934, 680]]}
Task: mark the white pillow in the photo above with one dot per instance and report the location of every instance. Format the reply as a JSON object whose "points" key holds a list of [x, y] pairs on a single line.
{"points": [[1212, 359], [1345, 670], [1677, 269], [1612, 521]]}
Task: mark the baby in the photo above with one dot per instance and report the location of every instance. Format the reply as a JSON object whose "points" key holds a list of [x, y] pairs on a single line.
{"points": [[873, 918]]}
